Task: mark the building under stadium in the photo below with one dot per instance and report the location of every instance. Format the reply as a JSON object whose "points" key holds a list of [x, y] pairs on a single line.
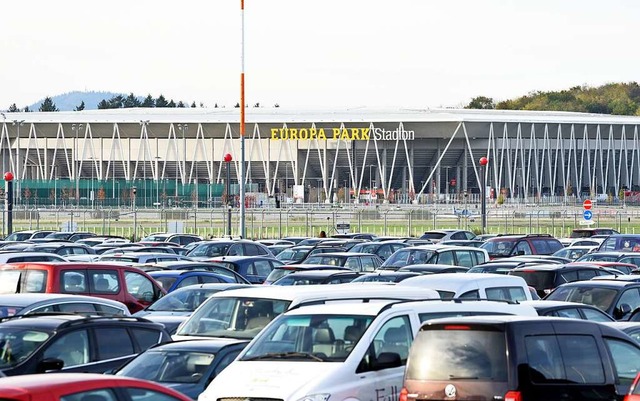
{"points": [[400, 155]]}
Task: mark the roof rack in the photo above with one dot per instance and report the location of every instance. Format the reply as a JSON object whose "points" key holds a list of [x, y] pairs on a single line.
{"points": [[87, 315], [539, 235], [456, 300]]}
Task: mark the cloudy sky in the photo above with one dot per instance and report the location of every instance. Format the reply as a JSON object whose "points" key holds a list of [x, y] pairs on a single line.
{"points": [[316, 53]]}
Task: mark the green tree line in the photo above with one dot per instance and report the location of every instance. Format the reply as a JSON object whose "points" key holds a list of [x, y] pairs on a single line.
{"points": [[613, 98]]}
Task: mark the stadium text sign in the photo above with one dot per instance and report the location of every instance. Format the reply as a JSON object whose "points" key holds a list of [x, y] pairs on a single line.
{"points": [[343, 134]]}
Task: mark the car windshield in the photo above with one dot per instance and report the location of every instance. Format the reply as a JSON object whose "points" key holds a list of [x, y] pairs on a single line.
{"points": [[155, 238], [428, 235], [538, 279], [59, 235], [309, 338], [498, 248], [18, 237], [184, 300], [293, 254], [365, 248], [209, 250], [326, 260], [232, 317], [168, 366], [406, 257], [599, 297], [9, 310], [277, 273], [17, 344]]}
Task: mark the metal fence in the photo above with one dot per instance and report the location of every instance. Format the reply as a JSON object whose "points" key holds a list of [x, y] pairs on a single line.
{"points": [[310, 219]]}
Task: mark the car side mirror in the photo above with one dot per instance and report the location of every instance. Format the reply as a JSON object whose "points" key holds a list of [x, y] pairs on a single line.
{"points": [[49, 364], [147, 296], [386, 360], [622, 310]]}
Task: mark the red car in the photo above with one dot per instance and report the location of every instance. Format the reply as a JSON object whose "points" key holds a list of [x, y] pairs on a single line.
{"points": [[125, 284], [83, 387]]}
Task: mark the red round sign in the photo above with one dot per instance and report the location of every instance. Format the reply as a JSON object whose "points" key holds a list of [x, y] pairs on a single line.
{"points": [[586, 204]]}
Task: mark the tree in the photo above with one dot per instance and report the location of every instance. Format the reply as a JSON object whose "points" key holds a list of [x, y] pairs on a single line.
{"points": [[13, 108], [193, 105], [181, 105], [26, 109], [481, 102], [80, 108], [161, 101], [171, 104], [131, 101], [148, 101], [48, 105], [103, 104]]}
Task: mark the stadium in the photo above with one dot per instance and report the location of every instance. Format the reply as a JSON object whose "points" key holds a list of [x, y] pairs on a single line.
{"points": [[397, 156]]}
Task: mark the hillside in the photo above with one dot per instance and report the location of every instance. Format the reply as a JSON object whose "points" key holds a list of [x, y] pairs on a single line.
{"points": [[613, 98], [69, 101]]}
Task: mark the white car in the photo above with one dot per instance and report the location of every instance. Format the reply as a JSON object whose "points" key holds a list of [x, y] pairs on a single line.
{"points": [[338, 351]]}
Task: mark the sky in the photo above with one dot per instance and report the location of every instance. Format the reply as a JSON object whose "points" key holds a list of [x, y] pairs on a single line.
{"points": [[321, 54]]}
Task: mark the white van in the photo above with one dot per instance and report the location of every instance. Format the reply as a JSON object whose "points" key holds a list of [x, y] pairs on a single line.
{"points": [[242, 313], [473, 285], [338, 351]]}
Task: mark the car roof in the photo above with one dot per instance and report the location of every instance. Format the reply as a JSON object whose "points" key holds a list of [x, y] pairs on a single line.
{"points": [[320, 273], [458, 281], [602, 283], [507, 319], [544, 304], [219, 259], [178, 273], [26, 299], [52, 322], [201, 345]]}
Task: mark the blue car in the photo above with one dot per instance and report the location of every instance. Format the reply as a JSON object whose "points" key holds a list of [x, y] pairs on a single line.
{"points": [[253, 268], [174, 279], [185, 366]]}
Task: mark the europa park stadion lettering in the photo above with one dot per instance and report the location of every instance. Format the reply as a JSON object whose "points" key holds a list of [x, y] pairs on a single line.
{"points": [[344, 134]]}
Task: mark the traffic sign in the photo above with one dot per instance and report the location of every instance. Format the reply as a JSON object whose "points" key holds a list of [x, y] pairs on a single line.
{"points": [[587, 214], [587, 204]]}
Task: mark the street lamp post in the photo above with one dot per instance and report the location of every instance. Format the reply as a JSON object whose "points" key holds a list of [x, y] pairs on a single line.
{"points": [[135, 214], [227, 160], [483, 167]]}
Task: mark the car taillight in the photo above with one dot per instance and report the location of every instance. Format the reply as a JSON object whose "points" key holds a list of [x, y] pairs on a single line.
{"points": [[513, 396], [456, 327], [632, 397], [403, 394]]}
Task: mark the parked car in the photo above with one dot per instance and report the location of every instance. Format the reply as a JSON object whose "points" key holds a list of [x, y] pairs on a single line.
{"points": [[462, 242], [473, 286], [128, 285], [338, 349], [436, 254], [180, 239], [184, 366], [140, 258], [187, 265], [207, 250], [25, 304], [174, 308], [318, 277], [69, 236], [574, 252], [611, 256], [573, 310], [590, 232], [243, 313], [22, 257], [383, 249], [617, 298], [84, 387], [620, 242], [544, 278], [255, 269], [72, 343], [443, 235], [27, 235], [528, 244], [62, 249], [359, 262], [171, 280], [519, 358], [281, 271]]}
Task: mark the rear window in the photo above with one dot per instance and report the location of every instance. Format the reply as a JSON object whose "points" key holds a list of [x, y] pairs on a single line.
{"points": [[582, 233], [499, 248], [458, 353], [539, 280]]}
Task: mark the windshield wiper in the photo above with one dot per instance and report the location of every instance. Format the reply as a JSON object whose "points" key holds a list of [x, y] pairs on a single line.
{"points": [[285, 355]]}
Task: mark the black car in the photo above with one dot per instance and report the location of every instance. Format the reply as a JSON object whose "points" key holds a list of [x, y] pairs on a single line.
{"points": [[69, 236], [544, 277], [281, 271], [185, 366], [617, 298], [72, 343], [519, 358], [254, 269], [314, 277], [572, 310]]}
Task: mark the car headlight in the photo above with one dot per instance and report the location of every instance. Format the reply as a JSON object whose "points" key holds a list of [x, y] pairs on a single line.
{"points": [[315, 397]]}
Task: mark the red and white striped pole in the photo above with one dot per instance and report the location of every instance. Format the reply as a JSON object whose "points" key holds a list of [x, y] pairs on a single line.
{"points": [[242, 128]]}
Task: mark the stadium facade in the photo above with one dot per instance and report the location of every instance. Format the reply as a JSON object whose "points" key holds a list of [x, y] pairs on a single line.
{"points": [[398, 154]]}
